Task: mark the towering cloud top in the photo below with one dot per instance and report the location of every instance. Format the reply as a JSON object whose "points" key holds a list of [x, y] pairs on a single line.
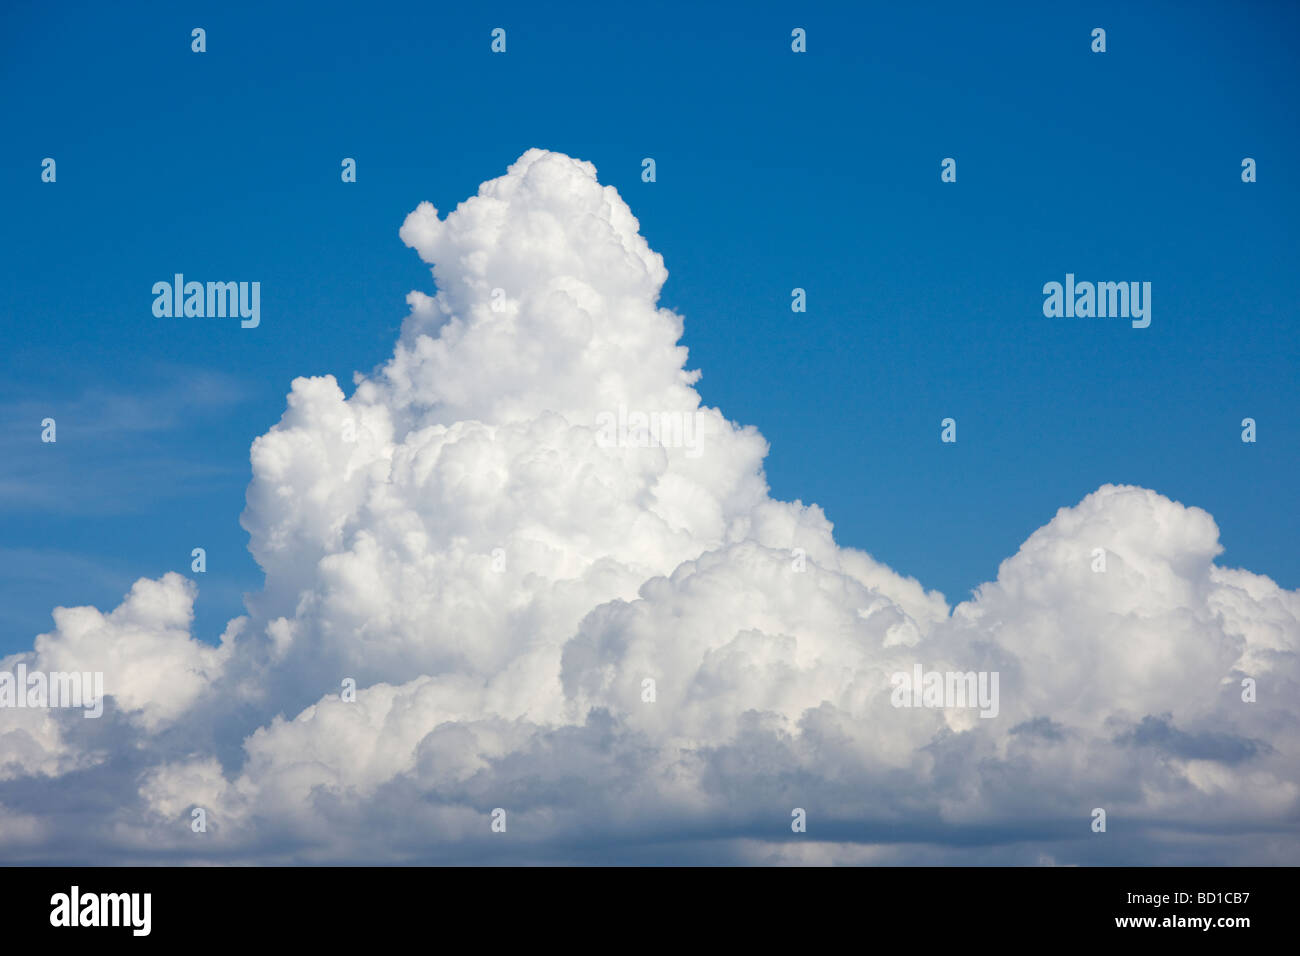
{"points": [[547, 301]]}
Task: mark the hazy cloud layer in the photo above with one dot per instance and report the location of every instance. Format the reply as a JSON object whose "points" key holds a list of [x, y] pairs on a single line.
{"points": [[461, 538]]}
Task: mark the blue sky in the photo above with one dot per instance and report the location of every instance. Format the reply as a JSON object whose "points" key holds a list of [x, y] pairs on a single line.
{"points": [[775, 170]]}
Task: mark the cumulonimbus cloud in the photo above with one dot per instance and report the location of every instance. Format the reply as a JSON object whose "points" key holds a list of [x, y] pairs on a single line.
{"points": [[624, 643]]}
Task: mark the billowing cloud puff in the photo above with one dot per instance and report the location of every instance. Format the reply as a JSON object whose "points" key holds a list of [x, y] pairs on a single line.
{"points": [[561, 590]]}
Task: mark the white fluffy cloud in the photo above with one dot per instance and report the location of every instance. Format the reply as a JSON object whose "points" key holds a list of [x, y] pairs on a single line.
{"points": [[502, 584]]}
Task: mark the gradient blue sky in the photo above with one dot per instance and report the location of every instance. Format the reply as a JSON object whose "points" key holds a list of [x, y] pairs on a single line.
{"points": [[774, 171]]}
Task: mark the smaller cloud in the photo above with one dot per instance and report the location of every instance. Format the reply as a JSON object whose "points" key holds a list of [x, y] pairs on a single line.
{"points": [[1159, 733], [121, 438]]}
